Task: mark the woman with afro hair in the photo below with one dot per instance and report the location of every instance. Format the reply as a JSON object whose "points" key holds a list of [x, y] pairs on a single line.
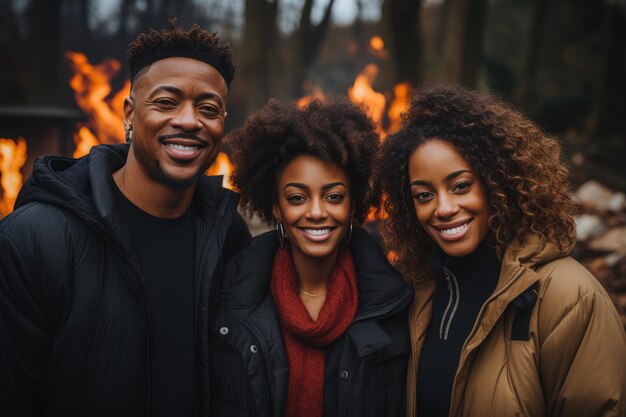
{"points": [[311, 319], [480, 221]]}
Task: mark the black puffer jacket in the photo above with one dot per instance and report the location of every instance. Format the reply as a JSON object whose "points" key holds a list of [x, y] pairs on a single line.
{"points": [[365, 369], [74, 327]]}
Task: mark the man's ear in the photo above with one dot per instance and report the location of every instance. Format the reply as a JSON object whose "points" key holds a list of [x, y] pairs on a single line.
{"points": [[128, 111]]}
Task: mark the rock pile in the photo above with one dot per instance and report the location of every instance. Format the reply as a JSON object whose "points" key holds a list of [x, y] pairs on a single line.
{"points": [[601, 233]]}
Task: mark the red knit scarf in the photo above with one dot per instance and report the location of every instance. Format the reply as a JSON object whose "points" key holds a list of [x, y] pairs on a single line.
{"points": [[304, 338]]}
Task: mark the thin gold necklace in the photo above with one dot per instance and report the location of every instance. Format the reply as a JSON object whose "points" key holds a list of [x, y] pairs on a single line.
{"points": [[312, 295]]}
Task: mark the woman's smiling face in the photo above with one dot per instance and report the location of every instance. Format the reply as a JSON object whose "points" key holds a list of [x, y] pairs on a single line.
{"points": [[314, 206], [450, 200]]}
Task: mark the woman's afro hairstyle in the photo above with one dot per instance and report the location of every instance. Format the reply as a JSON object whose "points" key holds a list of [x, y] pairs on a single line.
{"points": [[520, 166], [174, 41], [337, 132]]}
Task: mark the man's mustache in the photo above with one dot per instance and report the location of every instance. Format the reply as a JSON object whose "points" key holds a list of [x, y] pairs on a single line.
{"points": [[182, 135]]}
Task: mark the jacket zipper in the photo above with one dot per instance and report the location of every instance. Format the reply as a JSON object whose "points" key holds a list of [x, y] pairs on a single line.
{"points": [[453, 303], [197, 288], [478, 319]]}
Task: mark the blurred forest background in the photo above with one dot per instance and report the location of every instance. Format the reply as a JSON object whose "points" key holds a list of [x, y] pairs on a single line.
{"points": [[562, 62]]}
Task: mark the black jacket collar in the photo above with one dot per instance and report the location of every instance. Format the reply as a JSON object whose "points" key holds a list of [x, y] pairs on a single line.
{"points": [[247, 283], [84, 187]]}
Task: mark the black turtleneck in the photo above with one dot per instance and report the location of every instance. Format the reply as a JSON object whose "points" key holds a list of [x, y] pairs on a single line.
{"points": [[463, 284]]}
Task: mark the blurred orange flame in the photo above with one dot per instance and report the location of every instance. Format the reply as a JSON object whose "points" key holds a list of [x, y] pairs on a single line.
{"points": [[377, 43], [363, 93], [84, 140], [12, 158], [92, 88], [222, 166], [377, 47], [401, 93]]}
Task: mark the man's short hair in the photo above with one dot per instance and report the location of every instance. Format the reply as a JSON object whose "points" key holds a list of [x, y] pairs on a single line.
{"points": [[174, 41]]}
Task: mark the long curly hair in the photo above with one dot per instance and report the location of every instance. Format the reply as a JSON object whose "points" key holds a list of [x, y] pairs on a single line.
{"points": [[519, 165], [337, 132]]}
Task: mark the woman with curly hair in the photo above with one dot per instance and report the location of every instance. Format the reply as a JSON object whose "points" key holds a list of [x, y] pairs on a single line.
{"points": [[311, 319], [480, 221]]}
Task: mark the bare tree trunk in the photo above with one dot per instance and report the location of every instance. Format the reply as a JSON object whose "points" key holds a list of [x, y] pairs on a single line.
{"points": [[150, 16], [13, 71], [84, 15], [165, 11], [463, 47], [305, 45], [401, 32], [260, 32], [607, 105], [357, 26], [44, 53], [125, 11], [441, 31], [525, 94]]}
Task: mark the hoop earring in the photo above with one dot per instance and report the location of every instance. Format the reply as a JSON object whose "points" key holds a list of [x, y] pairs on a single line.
{"points": [[348, 235], [129, 133], [281, 233]]}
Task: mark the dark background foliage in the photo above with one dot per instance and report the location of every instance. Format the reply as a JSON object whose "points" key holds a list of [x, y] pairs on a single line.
{"points": [[563, 62]]}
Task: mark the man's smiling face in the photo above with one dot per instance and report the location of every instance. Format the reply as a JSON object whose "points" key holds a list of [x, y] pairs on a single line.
{"points": [[177, 109]]}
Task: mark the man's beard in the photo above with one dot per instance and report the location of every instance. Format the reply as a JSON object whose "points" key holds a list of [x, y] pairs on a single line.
{"points": [[170, 182]]}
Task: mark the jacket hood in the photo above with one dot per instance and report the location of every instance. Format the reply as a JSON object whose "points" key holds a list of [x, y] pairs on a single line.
{"points": [[84, 187], [532, 252]]}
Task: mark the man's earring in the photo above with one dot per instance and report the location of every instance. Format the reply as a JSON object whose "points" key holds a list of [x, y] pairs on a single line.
{"points": [[129, 133]]}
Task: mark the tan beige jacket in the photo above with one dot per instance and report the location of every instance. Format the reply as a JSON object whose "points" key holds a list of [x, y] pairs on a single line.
{"points": [[574, 364]]}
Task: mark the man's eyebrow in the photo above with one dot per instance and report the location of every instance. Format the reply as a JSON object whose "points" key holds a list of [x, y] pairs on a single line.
{"points": [[178, 92], [168, 88]]}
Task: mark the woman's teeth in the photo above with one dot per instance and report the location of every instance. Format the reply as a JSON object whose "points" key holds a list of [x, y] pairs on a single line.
{"points": [[317, 232], [455, 230]]}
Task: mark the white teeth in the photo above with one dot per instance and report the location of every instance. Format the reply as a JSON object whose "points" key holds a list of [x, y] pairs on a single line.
{"points": [[182, 148], [317, 232], [455, 230]]}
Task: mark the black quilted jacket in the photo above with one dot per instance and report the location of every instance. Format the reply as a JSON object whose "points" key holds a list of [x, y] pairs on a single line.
{"points": [[365, 372], [74, 327]]}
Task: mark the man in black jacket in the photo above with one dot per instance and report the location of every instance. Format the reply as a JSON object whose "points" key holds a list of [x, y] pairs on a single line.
{"points": [[109, 264]]}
